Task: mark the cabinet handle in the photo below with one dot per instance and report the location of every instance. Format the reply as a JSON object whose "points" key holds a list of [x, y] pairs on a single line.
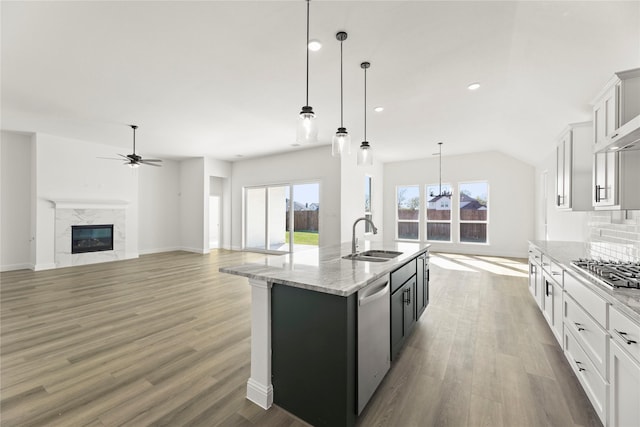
{"points": [[623, 335], [558, 202], [599, 190], [546, 288], [580, 368], [579, 326], [407, 296], [614, 135]]}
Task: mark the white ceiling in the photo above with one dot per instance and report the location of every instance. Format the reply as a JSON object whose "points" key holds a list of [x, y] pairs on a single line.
{"points": [[227, 79]]}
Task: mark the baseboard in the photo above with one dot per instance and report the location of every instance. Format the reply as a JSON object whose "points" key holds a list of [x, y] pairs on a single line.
{"points": [[132, 255], [159, 250], [194, 250], [260, 394], [40, 267], [13, 267]]}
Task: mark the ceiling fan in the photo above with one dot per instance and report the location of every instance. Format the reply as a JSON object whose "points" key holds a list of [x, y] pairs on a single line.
{"points": [[134, 160]]}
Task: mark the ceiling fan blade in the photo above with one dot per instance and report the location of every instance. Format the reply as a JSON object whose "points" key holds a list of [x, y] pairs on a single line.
{"points": [[108, 158], [123, 156], [145, 162], [152, 160]]}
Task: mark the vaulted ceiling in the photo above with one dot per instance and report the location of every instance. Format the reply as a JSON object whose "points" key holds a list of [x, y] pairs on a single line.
{"points": [[227, 79]]}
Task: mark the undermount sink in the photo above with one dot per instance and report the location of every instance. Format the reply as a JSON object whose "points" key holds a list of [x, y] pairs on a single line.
{"points": [[373, 256]]}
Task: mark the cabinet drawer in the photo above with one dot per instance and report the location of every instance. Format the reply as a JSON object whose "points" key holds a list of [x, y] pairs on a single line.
{"points": [[553, 269], [591, 337], [535, 256], [592, 382], [625, 332], [587, 299], [402, 274]]}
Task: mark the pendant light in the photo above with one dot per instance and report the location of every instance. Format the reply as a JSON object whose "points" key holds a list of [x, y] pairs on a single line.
{"points": [[341, 140], [307, 131], [365, 155]]}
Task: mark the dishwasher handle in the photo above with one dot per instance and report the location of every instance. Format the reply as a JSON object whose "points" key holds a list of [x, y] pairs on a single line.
{"points": [[373, 293]]}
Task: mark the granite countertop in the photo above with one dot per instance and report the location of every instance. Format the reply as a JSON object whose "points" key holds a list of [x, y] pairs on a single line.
{"points": [[624, 299], [324, 270]]}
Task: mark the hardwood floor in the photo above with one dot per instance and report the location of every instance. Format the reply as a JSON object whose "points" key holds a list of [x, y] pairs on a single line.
{"points": [[164, 340]]}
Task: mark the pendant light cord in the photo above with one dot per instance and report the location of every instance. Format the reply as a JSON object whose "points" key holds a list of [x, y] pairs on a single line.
{"points": [[365, 104], [341, 102], [440, 169], [307, 52]]}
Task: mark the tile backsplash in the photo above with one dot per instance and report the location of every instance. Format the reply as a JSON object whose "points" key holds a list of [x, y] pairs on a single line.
{"points": [[615, 235]]}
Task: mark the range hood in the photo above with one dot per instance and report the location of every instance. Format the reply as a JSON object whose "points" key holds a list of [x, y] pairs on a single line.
{"points": [[627, 137]]}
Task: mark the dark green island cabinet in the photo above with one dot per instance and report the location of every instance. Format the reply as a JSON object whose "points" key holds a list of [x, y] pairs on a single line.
{"points": [[314, 343], [409, 299]]}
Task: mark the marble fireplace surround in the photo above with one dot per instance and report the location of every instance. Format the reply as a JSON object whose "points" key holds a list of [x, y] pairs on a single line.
{"points": [[89, 212]]}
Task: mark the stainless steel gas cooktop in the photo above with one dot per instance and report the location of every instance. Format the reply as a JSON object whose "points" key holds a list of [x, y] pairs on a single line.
{"points": [[611, 273]]}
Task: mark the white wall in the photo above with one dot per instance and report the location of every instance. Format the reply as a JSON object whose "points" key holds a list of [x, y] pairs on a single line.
{"points": [[352, 197], [159, 208], [315, 164], [15, 201], [561, 225], [511, 197], [194, 196]]}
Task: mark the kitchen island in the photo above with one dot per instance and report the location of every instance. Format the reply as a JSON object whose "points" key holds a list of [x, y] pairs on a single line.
{"points": [[304, 325]]}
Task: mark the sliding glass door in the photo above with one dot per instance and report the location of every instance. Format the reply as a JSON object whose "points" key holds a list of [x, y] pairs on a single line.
{"points": [[268, 218]]}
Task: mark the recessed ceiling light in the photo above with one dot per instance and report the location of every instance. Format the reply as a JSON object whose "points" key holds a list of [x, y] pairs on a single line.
{"points": [[314, 45], [378, 109], [474, 86]]}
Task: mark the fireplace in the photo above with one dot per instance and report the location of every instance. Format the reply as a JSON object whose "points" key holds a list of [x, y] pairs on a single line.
{"points": [[91, 238]]}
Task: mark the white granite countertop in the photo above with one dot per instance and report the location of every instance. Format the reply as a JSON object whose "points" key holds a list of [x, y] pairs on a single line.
{"points": [[324, 270], [626, 300]]}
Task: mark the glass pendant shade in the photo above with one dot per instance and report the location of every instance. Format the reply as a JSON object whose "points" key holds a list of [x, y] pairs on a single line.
{"points": [[365, 155], [133, 165], [341, 143], [307, 132]]}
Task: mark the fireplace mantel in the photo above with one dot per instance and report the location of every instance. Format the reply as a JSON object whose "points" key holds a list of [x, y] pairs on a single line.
{"points": [[89, 204]]}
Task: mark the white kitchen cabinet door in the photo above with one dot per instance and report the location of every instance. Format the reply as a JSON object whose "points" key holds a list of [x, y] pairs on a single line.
{"points": [[605, 179], [624, 390], [605, 114]]}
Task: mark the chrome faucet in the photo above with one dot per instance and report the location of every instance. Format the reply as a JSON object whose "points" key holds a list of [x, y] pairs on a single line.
{"points": [[353, 236]]}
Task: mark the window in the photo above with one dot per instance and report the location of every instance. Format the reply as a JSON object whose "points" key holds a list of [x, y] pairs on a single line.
{"points": [[408, 212], [474, 210], [367, 203], [439, 200]]}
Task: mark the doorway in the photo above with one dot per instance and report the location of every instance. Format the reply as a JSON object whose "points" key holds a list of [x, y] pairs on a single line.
{"points": [[282, 218], [214, 222]]}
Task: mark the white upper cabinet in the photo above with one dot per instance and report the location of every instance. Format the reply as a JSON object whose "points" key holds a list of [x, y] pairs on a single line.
{"points": [[616, 105], [616, 174], [574, 158]]}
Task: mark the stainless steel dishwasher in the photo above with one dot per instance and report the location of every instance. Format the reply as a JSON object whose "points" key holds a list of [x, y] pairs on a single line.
{"points": [[374, 353]]}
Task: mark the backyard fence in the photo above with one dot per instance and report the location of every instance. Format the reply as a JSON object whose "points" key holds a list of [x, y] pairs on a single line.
{"points": [[304, 221]]}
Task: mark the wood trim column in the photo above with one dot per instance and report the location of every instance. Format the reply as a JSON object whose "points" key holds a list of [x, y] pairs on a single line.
{"points": [[259, 387]]}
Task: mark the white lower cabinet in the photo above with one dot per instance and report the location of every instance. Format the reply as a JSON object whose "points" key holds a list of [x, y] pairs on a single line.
{"points": [[624, 391], [552, 307], [592, 383], [624, 371], [601, 340]]}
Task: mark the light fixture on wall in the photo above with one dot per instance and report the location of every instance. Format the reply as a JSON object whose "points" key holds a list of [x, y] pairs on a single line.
{"points": [[365, 155], [439, 154], [341, 140], [307, 131]]}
